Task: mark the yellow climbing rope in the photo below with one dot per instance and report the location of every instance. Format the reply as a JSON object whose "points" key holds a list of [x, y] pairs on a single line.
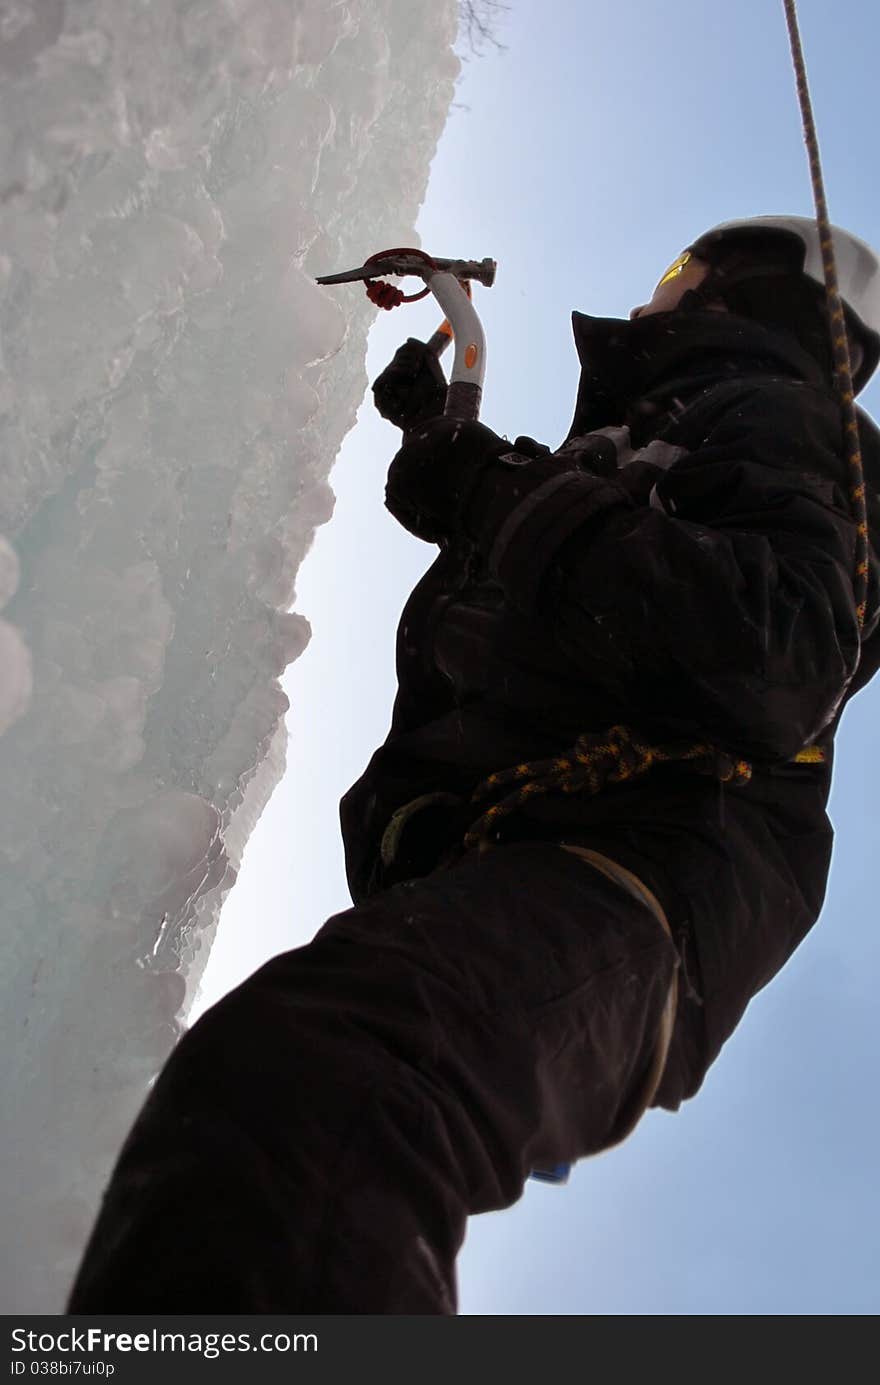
{"points": [[605, 757], [842, 367]]}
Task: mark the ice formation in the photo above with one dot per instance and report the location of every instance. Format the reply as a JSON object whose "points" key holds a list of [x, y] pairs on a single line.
{"points": [[174, 390]]}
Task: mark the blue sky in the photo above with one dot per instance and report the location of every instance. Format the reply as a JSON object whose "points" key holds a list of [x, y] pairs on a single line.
{"points": [[583, 158]]}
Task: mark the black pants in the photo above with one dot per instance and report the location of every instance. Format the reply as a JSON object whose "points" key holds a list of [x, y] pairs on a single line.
{"points": [[318, 1139]]}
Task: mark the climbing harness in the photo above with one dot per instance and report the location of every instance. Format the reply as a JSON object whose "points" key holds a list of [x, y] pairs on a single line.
{"points": [[449, 281], [600, 758]]}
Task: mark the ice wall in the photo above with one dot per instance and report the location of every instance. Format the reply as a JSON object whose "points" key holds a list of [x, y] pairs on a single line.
{"points": [[174, 390]]}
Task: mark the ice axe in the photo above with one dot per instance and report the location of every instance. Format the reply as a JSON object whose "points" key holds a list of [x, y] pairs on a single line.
{"points": [[449, 281]]}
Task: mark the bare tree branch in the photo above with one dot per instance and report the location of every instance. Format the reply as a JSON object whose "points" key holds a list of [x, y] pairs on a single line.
{"points": [[478, 19]]}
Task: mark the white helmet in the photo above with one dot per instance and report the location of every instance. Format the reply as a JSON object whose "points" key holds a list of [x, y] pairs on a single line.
{"points": [[858, 272]]}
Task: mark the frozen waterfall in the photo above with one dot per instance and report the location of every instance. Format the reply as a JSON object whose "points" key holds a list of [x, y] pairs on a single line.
{"points": [[174, 390]]}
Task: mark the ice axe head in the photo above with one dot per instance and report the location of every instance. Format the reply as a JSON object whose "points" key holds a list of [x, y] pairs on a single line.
{"points": [[449, 281]]}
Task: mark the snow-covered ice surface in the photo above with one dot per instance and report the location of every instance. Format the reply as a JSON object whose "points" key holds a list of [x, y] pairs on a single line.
{"points": [[174, 390]]}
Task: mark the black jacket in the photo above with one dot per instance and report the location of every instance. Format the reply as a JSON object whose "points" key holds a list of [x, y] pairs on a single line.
{"points": [[698, 585]]}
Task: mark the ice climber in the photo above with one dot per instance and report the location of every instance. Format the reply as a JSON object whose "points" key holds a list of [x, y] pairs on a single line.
{"points": [[653, 628]]}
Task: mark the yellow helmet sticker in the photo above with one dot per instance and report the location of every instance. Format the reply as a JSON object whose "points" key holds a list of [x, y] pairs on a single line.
{"points": [[675, 268]]}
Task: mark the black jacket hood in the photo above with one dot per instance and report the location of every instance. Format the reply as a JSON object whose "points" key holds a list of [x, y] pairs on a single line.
{"points": [[632, 370]]}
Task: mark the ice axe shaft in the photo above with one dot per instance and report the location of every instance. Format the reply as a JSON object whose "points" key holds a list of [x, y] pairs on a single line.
{"points": [[465, 390], [411, 262], [444, 334], [449, 281]]}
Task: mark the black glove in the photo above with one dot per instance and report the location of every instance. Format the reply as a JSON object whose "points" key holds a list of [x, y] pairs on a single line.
{"points": [[435, 473], [412, 387]]}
